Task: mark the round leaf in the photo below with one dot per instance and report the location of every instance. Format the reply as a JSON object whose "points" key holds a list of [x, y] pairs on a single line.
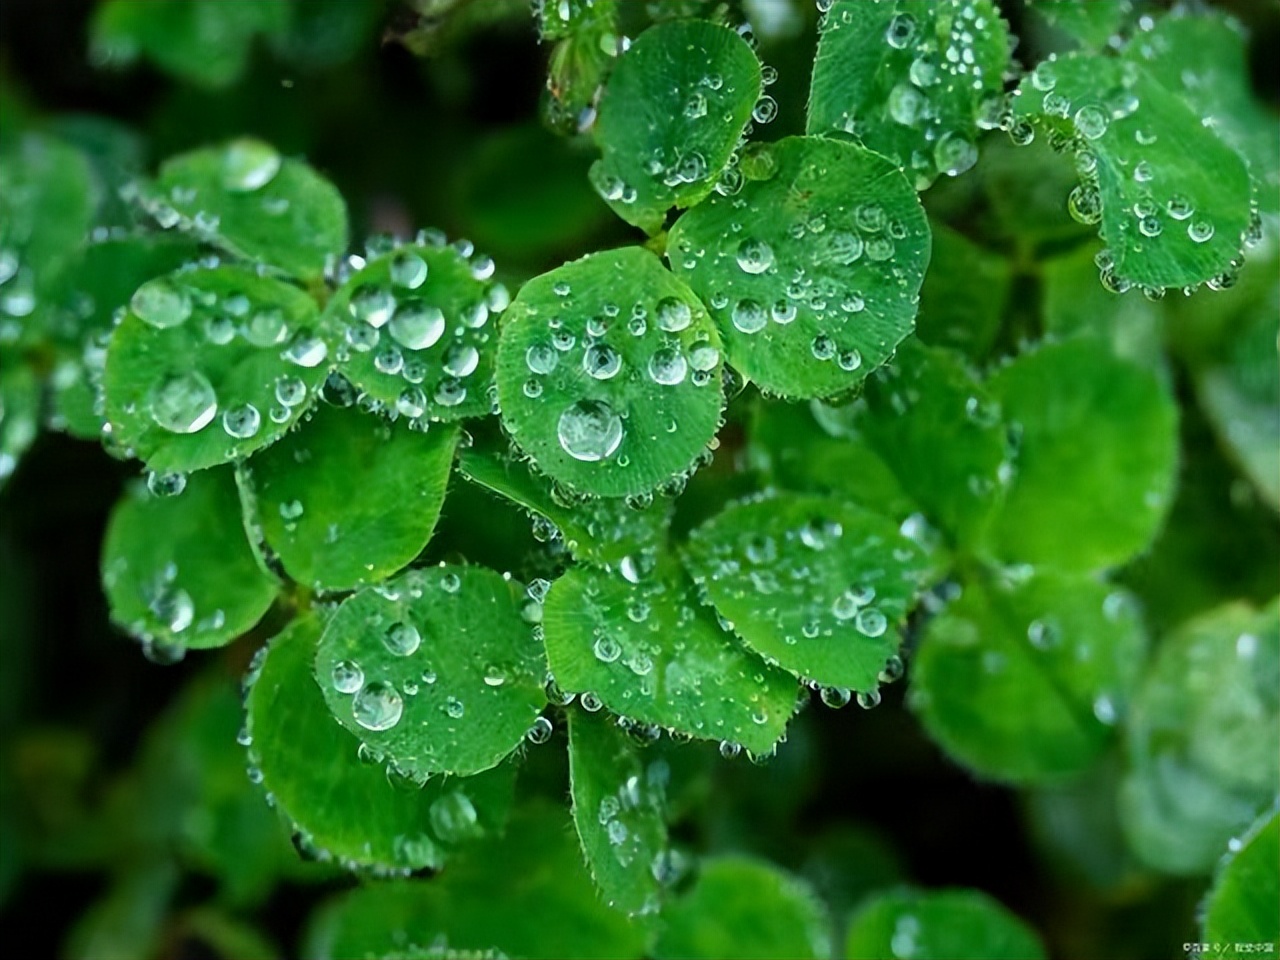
{"points": [[436, 670], [821, 282], [1096, 456], [1241, 908], [246, 199], [339, 803], [609, 374], [1024, 683], [645, 649], [939, 925], [914, 81], [671, 116], [418, 331], [347, 498], [816, 585], [618, 811], [743, 908], [201, 380], [178, 571], [1201, 737]]}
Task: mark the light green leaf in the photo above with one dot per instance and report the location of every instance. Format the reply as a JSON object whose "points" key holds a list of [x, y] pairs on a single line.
{"points": [[246, 199], [210, 365], [337, 801], [914, 81], [816, 585], [741, 907], [1024, 682], [419, 332], [670, 117], [1096, 441], [1201, 739], [642, 645], [206, 42], [939, 925], [609, 374], [964, 295], [47, 200], [619, 811], [436, 670], [548, 907], [348, 498], [557, 20], [1201, 56], [602, 531], [1241, 909], [1089, 23], [197, 585], [1171, 198], [823, 282]]}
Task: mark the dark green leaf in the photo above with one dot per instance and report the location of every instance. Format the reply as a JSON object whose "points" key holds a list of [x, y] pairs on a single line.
{"points": [[19, 412], [1089, 23], [670, 118], [1025, 682], [964, 295], [916, 82], [640, 643], [609, 374], [823, 284], [209, 366], [195, 586], [939, 925], [338, 802], [1241, 911], [436, 670]]}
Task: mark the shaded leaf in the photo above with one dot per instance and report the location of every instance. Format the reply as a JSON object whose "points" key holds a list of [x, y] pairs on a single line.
{"points": [[939, 925]]}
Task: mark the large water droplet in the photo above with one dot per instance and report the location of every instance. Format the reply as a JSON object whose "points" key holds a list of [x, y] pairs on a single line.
{"points": [[749, 316], [161, 303], [673, 315], [417, 325], [754, 256], [668, 366], [249, 165], [374, 305], [453, 818], [402, 638], [347, 676], [590, 430], [461, 360], [377, 706], [242, 421], [184, 403], [408, 270], [601, 361]]}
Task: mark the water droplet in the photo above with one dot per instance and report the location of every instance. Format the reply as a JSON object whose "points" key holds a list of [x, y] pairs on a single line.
{"points": [[607, 649], [673, 315], [372, 304], [377, 706], [1200, 230], [844, 247], [1090, 122], [347, 676], [161, 303], [901, 31], [540, 732], [954, 154], [590, 430], [749, 316], [601, 361], [461, 360], [402, 639], [541, 358], [306, 350], [870, 622], [754, 256], [906, 104], [453, 818], [408, 270], [417, 325], [249, 165], [241, 421], [765, 109], [1179, 207], [290, 391], [668, 366], [183, 403], [835, 697]]}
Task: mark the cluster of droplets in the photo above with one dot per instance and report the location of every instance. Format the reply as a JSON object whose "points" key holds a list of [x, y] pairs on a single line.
{"points": [[170, 623], [944, 81], [627, 814], [433, 353], [647, 344]]}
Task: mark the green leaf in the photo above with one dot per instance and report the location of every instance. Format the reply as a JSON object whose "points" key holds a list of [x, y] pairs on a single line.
{"points": [[417, 331], [347, 498], [670, 117], [1096, 459], [741, 907], [609, 374], [1076, 303], [1200, 738], [816, 585], [964, 295], [1026, 188], [939, 925], [619, 811], [548, 907], [46, 207], [1201, 56], [1024, 682], [602, 531], [916, 82], [1241, 908], [127, 922], [1240, 394], [218, 363], [178, 571], [640, 644], [1171, 198], [19, 412], [337, 801], [206, 42], [1090, 24], [823, 283], [558, 20], [436, 670], [246, 199], [926, 402]]}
